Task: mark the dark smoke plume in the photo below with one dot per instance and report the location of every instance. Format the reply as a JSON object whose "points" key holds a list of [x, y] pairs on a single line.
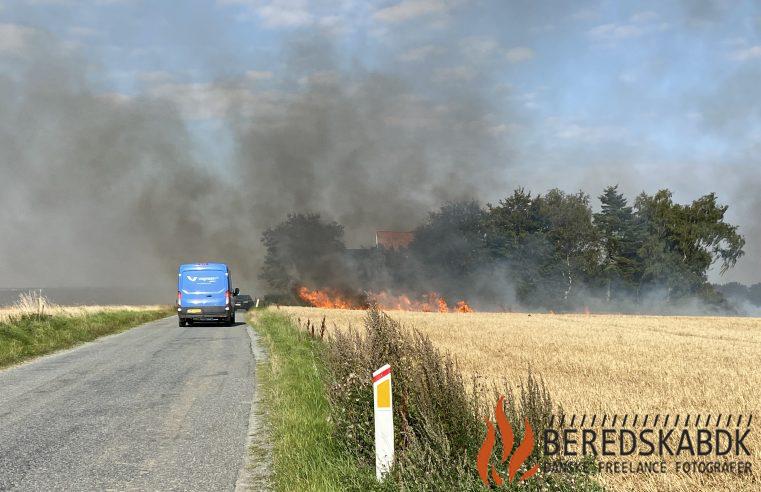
{"points": [[104, 190]]}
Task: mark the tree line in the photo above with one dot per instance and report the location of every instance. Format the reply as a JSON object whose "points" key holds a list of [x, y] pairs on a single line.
{"points": [[539, 251]]}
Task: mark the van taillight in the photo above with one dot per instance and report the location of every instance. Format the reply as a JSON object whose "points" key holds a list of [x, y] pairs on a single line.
{"points": [[227, 297], [179, 298]]}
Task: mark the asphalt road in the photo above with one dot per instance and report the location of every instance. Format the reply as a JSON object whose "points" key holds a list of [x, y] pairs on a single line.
{"points": [[155, 408]]}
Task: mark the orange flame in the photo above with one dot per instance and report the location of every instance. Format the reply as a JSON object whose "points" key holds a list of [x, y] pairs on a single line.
{"points": [[462, 307], [326, 298], [333, 299], [522, 452], [443, 308]]}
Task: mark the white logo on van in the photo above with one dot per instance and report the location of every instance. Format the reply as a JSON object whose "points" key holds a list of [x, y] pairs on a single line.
{"points": [[201, 279]]}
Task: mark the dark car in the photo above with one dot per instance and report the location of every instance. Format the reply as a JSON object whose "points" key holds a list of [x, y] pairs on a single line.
{"points": [[244, 301]]}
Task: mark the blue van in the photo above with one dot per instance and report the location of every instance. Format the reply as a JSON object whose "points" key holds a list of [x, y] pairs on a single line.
{"points": [[205, 293]]}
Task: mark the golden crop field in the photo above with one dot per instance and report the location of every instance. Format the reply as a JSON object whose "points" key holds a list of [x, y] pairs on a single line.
{"points": [[11, 312], [34, 303], [614, 364]]}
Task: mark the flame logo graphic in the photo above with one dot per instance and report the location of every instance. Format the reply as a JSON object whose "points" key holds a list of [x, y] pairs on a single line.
{"points": [[522, 452]]}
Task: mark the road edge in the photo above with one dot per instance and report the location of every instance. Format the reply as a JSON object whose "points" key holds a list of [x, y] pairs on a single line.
{"points": [[256, 471]]}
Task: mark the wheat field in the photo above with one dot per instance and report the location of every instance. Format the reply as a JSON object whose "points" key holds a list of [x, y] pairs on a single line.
{"points": [[7, 313], [612, 364], [33, 303]]}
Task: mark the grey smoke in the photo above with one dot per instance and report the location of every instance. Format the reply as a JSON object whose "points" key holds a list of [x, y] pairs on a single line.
{"points": [[105, 190]]}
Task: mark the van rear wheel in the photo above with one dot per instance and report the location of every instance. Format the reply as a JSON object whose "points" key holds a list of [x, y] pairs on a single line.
{"points": [[183, 322]]}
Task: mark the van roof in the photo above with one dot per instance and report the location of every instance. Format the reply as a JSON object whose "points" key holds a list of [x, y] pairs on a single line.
{"points": [[203, 266]]}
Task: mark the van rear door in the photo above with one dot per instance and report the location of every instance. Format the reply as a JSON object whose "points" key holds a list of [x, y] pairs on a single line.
{"points": [[203, 287]]}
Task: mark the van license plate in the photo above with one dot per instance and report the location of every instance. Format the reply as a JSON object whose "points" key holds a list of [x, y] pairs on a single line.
{"points": [[194, 311]]}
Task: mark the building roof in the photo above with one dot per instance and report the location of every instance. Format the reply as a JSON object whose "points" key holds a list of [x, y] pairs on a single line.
{"points": [[393, 239]]}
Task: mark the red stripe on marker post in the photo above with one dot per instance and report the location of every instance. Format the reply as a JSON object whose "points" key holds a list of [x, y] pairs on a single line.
{"points": [[382, 372]]}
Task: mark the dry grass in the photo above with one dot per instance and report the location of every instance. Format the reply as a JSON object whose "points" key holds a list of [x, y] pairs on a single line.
{"points": [[609, 364], [33, 304]]}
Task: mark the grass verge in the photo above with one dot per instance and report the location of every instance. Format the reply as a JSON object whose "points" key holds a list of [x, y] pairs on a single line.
{"points": [[306, 454], [30, 335]]}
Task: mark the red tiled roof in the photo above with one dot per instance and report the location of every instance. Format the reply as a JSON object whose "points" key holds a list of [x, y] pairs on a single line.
{"points": [[393, 239]]}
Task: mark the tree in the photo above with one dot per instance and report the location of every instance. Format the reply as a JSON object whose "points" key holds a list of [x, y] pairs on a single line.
{"points": [[304, 249], [548, 242], [511, 221], [683, 241], [515, 234], [573, 236], [621, 236], [735, 293], [734, 290], [754, 294], [449, 246]]}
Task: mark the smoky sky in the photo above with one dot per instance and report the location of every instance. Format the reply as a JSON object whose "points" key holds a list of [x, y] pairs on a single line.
{"points": [[108, 190], [185, 140]]}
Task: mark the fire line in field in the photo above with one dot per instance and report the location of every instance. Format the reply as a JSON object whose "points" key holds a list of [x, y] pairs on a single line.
{"points": [[334, 299]]}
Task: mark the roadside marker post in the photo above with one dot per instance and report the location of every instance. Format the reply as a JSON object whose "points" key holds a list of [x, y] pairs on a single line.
{"points": [[384, 421]]}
